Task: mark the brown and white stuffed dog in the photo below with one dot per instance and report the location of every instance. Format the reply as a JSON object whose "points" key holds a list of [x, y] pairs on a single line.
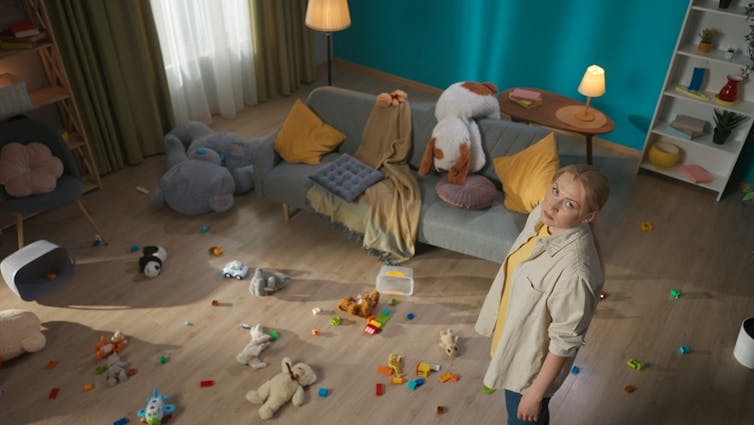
{"points": [[456, 144]]}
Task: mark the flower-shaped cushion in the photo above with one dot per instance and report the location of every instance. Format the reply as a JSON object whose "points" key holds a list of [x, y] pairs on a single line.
{"points": [[28, 169]]}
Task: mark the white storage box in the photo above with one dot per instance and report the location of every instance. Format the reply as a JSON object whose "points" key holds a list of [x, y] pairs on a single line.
{"points": [[36, 269], [395, 280]]}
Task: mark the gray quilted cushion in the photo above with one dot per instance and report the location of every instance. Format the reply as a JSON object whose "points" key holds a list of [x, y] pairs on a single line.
{"points": [[347, 177]]}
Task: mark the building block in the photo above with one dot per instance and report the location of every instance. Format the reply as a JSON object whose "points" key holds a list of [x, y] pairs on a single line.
{"points": [[54, 393], [575, 370], [398, 380], [385, 370], [121, 421], [635, 364], [323, 392], [415, 383], [378, 389]]}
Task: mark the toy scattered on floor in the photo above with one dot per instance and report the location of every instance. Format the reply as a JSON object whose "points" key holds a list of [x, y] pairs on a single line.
{"points": [[121, 421], [250, 354], [441, 410], [52, 276], [163, 359], [423, 369], [449, 343], [117, 370], [447, 376], [134, 248], [394, 362], [287, 385], [629, 388], [216, 251], [54, 393], [132, 371], [266, 282], [646, 226], [215, 303], [235, 269], [204, 229], [684, 349], [51, 364], [323, 392], [156, 409], [97, 240], [675, 294], [410, 316], [315, 332], [575, 370], [634, 364], [316, 311], [100, 370], [603, 295], [88, 387], [415, 383], [187, 323], [151, 260], [20, 332], [206, 383], [362, 305], [378, 389], [336, 320], [105, 347]]}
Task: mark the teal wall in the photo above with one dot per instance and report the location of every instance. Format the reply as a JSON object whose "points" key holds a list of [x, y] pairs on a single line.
{"points": [[546, 44]]}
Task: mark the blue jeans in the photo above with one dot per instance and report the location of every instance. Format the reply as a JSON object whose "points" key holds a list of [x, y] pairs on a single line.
{"points": [[511, 404]]}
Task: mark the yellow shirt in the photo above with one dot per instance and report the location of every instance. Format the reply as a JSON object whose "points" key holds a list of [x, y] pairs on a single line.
{"points": [[511, 263]]}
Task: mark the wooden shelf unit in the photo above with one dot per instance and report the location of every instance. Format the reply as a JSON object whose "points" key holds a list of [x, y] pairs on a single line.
{"points": [[718, 160], [59, 94]]}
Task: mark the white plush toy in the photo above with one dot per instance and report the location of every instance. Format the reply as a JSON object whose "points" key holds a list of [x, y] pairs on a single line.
{"points": [[117, 369], [19, 333], [449, 343], [286, 385], [250, 354], [456, 143]]}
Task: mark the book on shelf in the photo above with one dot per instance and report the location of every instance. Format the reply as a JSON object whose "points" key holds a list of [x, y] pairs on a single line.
{"points": [[689, 125], [680, 133], [7, 36], [15, 45], [696, 173], [23, 29]]}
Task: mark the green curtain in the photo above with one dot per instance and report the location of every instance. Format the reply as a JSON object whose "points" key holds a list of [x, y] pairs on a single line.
{"points": [[112, 56], [283, 53]]}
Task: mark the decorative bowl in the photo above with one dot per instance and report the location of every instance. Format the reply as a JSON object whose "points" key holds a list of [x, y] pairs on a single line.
{"points": [[664, 154]]}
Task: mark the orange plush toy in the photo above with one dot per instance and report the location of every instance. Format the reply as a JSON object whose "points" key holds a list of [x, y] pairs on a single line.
{"points": [[104, 348], [363, 305]]}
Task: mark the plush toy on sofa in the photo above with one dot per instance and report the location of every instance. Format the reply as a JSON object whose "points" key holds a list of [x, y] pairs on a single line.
{"points": [[19, 333], [286, 385], [362, 305], [456, 143]]}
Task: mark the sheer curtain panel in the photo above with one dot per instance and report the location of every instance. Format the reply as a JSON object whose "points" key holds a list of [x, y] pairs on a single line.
{"points": [[207, 50]]}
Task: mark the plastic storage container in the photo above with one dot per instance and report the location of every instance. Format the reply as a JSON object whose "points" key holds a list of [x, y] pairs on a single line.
{"points": [[37, 269], [395, 280]]}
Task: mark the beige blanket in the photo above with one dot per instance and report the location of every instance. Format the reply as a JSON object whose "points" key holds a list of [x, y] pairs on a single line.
{"points": [[386, 215]]}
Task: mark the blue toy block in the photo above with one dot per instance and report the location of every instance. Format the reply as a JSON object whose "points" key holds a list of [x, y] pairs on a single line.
{"points": [[575, 370], [323, 392], [684, 349], [121, 421], [410, 316], [415, 383]]}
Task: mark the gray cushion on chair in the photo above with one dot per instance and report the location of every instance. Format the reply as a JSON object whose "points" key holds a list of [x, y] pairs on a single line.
{"points": [[347, 177]]}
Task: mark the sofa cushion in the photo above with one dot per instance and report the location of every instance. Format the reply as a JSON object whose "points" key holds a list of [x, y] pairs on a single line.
{"points": [[304, 137], [527, 175], [477, 193], [347, 177], [288, 182]]}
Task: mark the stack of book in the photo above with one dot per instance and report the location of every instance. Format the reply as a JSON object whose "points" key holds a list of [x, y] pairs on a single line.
{"points": [[21, 35], [525, 98], [696, 173], [687, 127]]}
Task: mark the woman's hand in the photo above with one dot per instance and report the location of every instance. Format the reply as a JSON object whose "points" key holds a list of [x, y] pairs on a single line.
{"points": [[529, 407]]}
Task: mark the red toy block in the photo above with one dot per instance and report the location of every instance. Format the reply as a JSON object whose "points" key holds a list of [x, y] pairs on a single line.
{"points": [[378, 389], [207, 383], [54, 393]]}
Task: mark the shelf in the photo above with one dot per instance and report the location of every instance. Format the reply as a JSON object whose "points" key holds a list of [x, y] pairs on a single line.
{"points": [[690, 50], [48, 96], [710, 6], [7, 53], [732, 147], [717, 184], [743, 107]]}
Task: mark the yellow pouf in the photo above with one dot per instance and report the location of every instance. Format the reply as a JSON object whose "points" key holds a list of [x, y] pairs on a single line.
{"points": [[664, 154]]}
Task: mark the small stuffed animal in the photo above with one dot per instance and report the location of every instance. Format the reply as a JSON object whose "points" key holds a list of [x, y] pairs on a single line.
{"points": [[104, 348], [449, 343], [250, 354], [117, 370], [151, 260], [286, 385], [363, 305], [395, 98], [20, 332], [266, 282], [456, 143]]}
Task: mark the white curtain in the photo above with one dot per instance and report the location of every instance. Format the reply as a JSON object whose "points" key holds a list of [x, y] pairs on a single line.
{"points": [[207, 49]]}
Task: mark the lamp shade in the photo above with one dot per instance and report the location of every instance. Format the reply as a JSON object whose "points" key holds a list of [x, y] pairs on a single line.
{"points": [[327, 15], [593, 83]]}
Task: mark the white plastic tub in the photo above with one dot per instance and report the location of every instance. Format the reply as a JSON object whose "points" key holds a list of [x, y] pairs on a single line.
{"points": [[395, 280]]}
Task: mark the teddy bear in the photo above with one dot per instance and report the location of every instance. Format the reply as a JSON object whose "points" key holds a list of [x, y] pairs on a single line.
{"points": [[287, 385], [395, 98], [20, 332], [250, 354], [266, 282], [456, 143], [449, 343], [362, 305], [117, 369]]}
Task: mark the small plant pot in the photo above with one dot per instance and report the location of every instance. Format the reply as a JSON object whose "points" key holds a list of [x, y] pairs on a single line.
{"points": [[720, 136], [704, 47]]}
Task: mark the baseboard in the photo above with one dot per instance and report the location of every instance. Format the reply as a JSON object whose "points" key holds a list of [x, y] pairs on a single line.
{"points": [[434, 90]]}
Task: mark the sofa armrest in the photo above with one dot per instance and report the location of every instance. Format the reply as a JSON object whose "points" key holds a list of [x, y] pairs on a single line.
{"points": [[264, 160]]}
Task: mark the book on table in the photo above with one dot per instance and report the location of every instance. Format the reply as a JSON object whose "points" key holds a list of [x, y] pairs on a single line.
{"points": [[525, 98]]}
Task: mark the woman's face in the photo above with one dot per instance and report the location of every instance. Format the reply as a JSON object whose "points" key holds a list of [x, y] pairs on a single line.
{"points": [[564, 205]]}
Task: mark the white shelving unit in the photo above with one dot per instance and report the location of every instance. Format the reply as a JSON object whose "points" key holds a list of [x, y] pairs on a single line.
{"points": [[718, 160]]}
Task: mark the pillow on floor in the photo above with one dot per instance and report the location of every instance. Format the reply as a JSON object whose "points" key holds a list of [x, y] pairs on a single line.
{"points": [[477, 193], [347, 177], [527, 175], [304, 137]]}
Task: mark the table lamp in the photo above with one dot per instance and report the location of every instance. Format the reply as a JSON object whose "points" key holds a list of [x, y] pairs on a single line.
{"points": [[328, 16], [592, 85]]}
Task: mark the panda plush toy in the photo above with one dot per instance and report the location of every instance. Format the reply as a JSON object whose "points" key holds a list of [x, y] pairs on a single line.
{"points": [[151, 260]]}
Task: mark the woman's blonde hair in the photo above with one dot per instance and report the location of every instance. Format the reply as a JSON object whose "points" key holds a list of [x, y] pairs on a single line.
{"points": [[596, 185]]}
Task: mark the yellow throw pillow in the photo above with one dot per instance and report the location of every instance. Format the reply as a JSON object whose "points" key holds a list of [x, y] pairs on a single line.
{"points": [[527, 175], [305, 137]]}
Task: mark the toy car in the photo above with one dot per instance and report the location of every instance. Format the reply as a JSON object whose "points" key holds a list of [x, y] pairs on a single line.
{"points": [[235, 269]]}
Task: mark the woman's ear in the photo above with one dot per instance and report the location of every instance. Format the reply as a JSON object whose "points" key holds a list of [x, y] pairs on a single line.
{"points": [[590, 217]]}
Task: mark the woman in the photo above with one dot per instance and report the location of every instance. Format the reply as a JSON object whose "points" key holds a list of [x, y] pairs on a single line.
{"points": [[544, 295]]}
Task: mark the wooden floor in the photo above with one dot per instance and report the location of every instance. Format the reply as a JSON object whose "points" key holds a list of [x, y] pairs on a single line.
{"points": [[703, 248]]}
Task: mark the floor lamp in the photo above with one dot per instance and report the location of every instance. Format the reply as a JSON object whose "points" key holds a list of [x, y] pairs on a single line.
{"points": [[328, 16]]}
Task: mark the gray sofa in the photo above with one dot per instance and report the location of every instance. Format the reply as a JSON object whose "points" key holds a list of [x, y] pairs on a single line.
{"points": [[486, 234]]}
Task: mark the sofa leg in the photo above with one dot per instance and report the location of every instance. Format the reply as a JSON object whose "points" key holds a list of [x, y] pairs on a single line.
{"points": [[286, 213]]}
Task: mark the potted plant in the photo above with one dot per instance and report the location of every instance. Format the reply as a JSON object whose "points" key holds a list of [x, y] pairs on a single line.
{"points": [[705, 44], [749, 37], [725, 122]]}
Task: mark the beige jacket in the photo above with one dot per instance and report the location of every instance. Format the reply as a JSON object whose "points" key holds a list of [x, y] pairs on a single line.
{"points": [[551, 304]]}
